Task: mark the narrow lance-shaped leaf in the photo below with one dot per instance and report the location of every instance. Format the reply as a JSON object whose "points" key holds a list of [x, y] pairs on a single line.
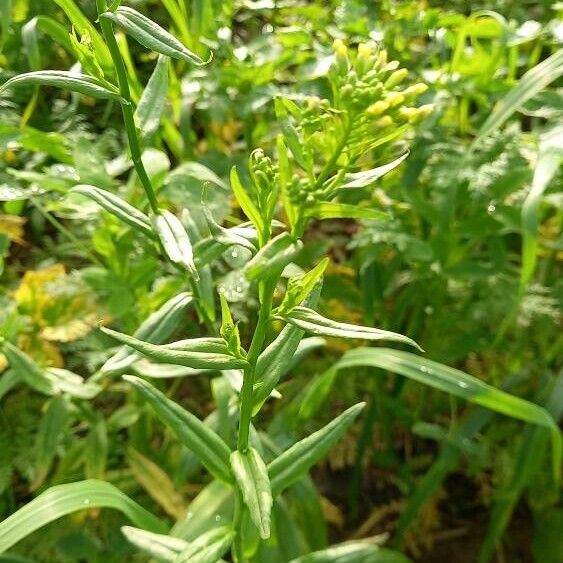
{"points": [[271, 259], [246, 204], [368, 177], [151, 35], [50, 429], [169, 355], [156, 329], [310, 321], [61, 500], [213, 453], [153, 100], [163, 547], [251, 475], [547, 165], [353, 552], [207, 548], [336, 210], [73, 82], [299, 458], [118, 207], [175, 240]]}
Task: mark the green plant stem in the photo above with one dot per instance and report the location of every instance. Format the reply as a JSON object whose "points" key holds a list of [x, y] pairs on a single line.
{"points": [[246, 395], [126, 105]]}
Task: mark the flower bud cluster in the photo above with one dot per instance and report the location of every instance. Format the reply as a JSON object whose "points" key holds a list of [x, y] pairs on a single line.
{"points": [[367, 82], [263, 172]]}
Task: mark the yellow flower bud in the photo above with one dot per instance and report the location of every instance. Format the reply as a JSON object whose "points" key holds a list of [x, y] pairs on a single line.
{"points": [[394, 98], [382, 57], [339, 48], [365, 50], [407, 113], [384, 122], [378, 108], [416, 89], [396, 78]]}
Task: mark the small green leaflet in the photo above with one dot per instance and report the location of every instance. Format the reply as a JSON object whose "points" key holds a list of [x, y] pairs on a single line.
{"points": [[118, 207], [151, 35], [336, 210], [207, 548], [213, 453], [74, 82], [251, 476], [353, 552], [246, 204], [61, 500], [310, 321]]}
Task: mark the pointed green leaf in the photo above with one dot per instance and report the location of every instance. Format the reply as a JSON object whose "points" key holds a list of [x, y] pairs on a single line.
{"points": [[182, 353], [153, 100], [162, 546], [118, 207], [207, 548], [156, 329], [368, 177], [299, 458], [71, 81], [245, 202], [271, 259], [353, 552], [213, 453], [251, 475], [175, 240], [61, 500], [335, 210], [151, 35], [299, 287], [310, 321]]}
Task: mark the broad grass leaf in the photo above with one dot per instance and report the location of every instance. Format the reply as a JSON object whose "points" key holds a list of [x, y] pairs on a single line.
{"points": [[71, 81], [252, 479], [61, 500], [157, 483], [151, 35], [457, 383], [528, 459], [213, 453], [528, 86], [548, 164], [292, 464]]}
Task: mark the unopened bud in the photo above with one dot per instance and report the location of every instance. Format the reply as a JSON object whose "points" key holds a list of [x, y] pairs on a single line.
{"points": [[394, 98], [416, 89], [378, 108], [384, 122], [422, 112], [339, 48], [407, 113], [396, 78], [365, 50]]}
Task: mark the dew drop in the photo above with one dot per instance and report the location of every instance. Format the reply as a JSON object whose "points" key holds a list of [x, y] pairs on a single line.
{"points": [[217, 518], [86, 501]]}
